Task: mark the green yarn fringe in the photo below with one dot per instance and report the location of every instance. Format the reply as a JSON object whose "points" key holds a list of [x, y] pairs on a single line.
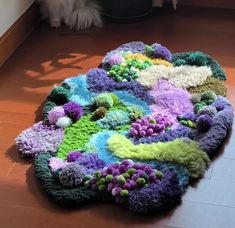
{"points": [[183, 153], [78, 135], [213, 84]]}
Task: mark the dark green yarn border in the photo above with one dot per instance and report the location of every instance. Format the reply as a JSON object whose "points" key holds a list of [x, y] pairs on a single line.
{"points": [[217, 70], [69, 197], [55, 99]]}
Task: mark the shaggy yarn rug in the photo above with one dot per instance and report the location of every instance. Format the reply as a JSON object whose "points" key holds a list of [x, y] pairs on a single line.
{"points": [[134, 131]]}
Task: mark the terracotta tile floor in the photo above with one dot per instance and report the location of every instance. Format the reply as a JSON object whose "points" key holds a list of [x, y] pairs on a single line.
{"points": [[47, 57]]}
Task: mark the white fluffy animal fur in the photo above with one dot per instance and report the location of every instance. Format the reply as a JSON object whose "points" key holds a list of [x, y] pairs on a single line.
{"points": [[79, 14], [182, 76]]}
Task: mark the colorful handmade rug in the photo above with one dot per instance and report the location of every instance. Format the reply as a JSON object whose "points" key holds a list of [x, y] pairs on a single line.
{"points": [[135, 131]]}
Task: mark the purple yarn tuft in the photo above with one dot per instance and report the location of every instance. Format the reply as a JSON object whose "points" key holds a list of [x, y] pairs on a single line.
{"points": [[73, 110], [157, 197], [56, 164], [170, 100], [99, 82], [73, 156], [222, 122], [71, 175], [204, 123], [161, 52], [39, 138], [91, 162], [179, 132]]}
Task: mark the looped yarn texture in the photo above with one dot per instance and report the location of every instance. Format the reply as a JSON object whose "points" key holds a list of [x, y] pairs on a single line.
{"points": [[134, 132]]}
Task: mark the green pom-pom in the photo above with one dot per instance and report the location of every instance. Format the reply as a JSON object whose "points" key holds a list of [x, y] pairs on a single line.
{"points": [[121, 179], [104, 100], [101, 181], [153, 121], [112, 73], [87, 184], [126, 175], [148, 50], [184, 122], [135, 112], [209, 102], [124, 193], [209, 97], [60, 94], [87, 177], [140, 181], [191, 124], [97, 174], [159, 174], [114, 97], [197, 59], [131, 171], [198, 106], [102, 187], [109, 178], [180, 62]]}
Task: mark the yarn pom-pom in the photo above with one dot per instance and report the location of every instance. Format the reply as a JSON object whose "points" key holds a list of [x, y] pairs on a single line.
{"points": [[135, 112], [73, 156], [180, 62], [161, 52], [114, 97], [60, 94], [208, 110], [115, 59], [219, 105], [56, 164], [199, 106], [100, 112], [104, 100], [56, 113], [64, 122], [204, 123], [71, 175], [73, 110], [196, 98], [208, 97], [197, 59], [91, 162]]}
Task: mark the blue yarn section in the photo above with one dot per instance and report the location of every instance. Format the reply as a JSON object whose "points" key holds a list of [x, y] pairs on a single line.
{"points": [[130, 100], [114, 120], [181, 172], [99, 142], [79, 91]]}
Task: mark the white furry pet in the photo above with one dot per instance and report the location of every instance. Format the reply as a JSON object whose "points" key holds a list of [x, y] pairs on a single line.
{"points": [[79, 14]]}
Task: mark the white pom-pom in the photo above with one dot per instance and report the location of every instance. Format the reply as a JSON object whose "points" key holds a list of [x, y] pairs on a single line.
{"points": [[64, 122]]}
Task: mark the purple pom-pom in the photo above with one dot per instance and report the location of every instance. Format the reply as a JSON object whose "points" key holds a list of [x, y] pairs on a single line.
{"points": [[204, 123], [73, 156], [161, 52], [73, 110], [55, 114], [115, 59]]}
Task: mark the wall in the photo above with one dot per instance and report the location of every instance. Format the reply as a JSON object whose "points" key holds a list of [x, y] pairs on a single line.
{"points": [[10, 11]]}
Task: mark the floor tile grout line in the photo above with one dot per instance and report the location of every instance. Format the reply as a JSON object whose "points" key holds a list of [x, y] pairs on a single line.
{"points": [[207, 203]]}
